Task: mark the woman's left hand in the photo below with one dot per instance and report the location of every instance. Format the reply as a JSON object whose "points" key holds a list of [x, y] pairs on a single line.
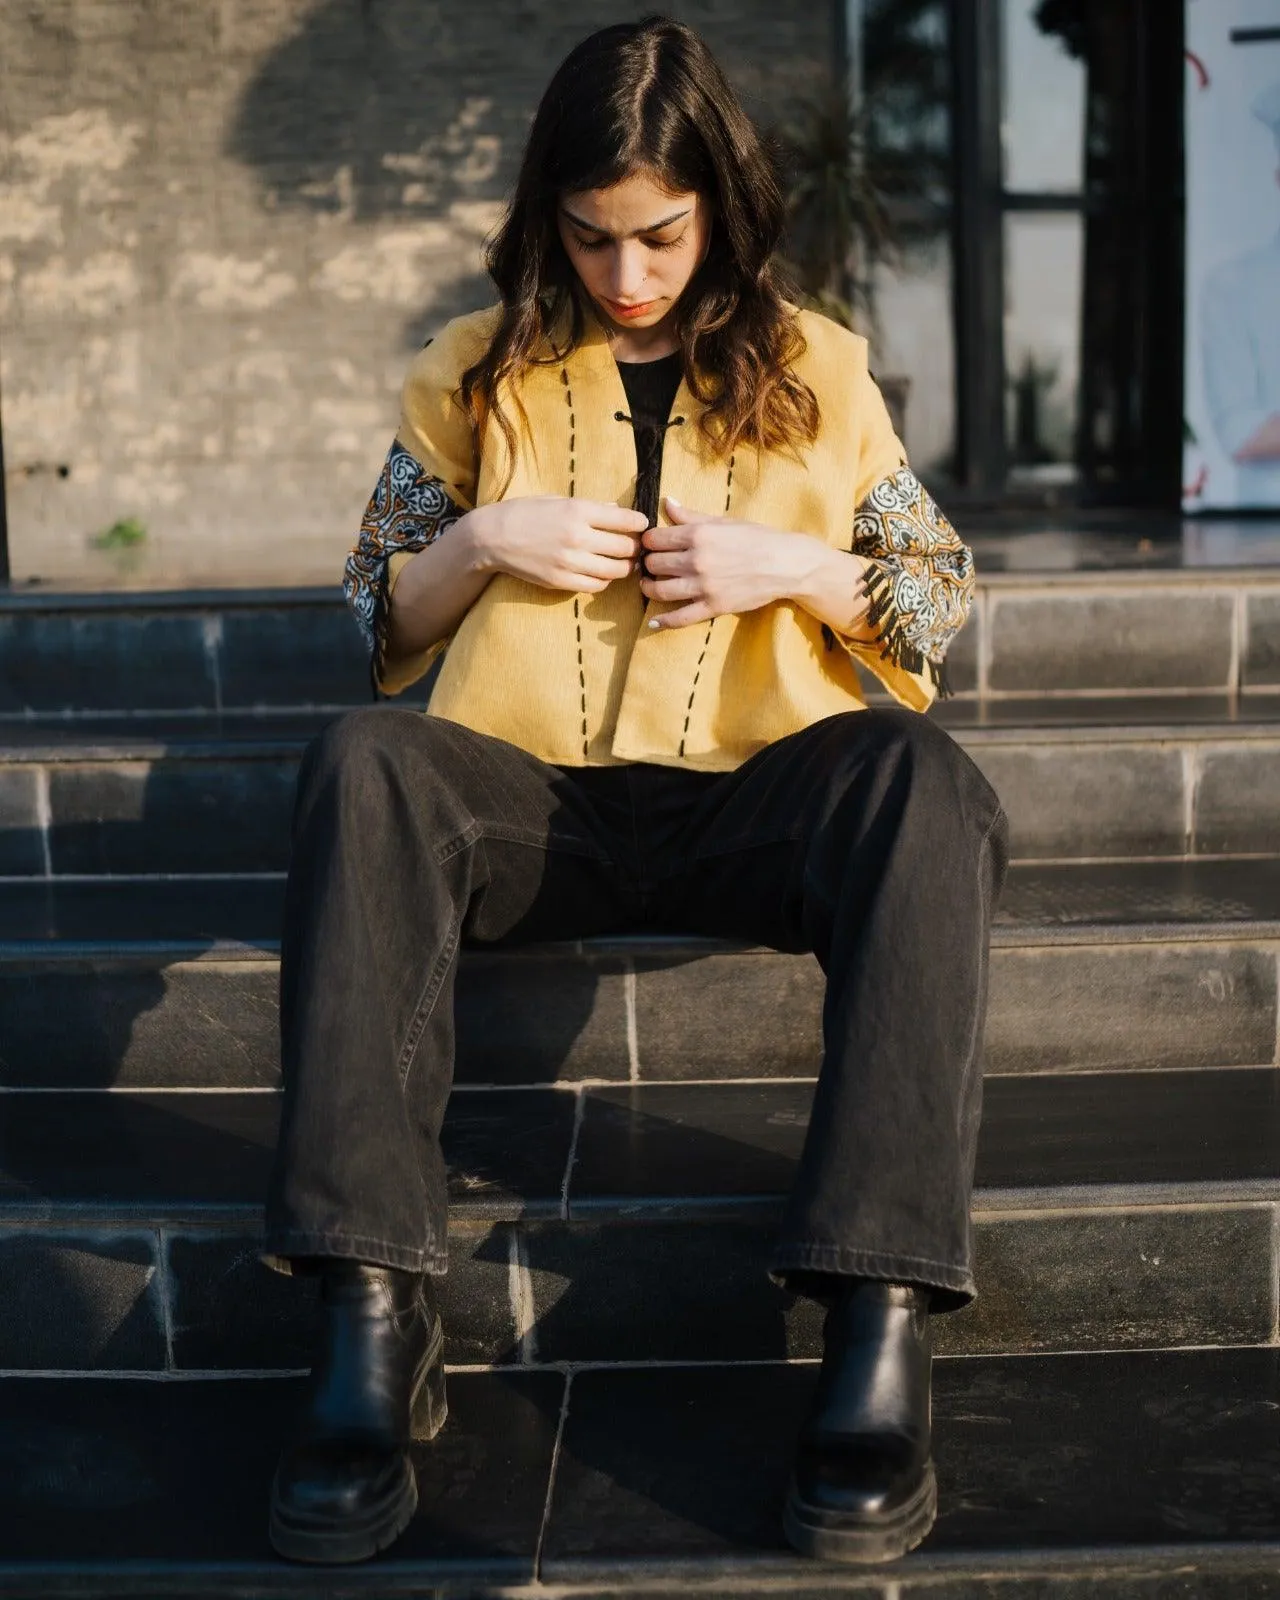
{"points": [[708, 565]]}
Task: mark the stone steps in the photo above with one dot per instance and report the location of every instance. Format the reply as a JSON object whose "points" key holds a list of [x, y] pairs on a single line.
{"points": [[626, 1381], [200, 795], [1174, 630], [634, 1222], [1141, 1474], [172, 984]]}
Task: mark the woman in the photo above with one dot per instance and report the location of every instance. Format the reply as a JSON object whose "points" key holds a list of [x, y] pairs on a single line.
{"points": [[657, 515]]}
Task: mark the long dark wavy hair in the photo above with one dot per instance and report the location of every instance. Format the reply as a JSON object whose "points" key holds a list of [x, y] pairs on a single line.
{"points": [[649, 97]]}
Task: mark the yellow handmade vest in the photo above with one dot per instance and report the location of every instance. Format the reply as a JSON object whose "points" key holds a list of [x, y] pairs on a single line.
{"points": [[578, 679]]}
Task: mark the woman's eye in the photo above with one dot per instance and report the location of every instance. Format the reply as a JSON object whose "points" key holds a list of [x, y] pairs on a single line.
{"points": [[653, 244]]}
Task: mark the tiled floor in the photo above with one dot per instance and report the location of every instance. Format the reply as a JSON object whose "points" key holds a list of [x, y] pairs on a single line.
{"points": [[645, 1150], [659, 1469]]}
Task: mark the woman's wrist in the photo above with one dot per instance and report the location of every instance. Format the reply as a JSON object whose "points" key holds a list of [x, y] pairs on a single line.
{"points": [[829, 585], [472, 532]]}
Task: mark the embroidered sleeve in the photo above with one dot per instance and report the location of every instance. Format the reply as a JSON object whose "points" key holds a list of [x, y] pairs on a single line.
{"points": [[408, 510], [921, 577]]}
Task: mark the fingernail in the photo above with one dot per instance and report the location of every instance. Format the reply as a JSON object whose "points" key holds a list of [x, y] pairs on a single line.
{"points": [[672, 501], [653, 624]]}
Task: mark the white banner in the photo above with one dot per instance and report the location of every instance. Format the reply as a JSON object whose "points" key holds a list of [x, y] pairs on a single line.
{"points": [[1232, 406]]}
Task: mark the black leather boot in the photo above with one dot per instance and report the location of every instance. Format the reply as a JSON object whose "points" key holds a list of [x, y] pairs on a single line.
{"points": [[346, 1488], [863, 1489]]}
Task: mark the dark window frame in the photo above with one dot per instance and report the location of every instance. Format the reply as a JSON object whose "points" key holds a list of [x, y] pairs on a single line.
{"points": [[981, 205]]}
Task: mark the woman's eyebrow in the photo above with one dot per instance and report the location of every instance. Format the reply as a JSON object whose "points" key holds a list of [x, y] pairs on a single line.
{"points": [[651, 227]]}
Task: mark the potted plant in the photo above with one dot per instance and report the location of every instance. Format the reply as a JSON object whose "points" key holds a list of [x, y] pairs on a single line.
{"points": [[865, 182]]}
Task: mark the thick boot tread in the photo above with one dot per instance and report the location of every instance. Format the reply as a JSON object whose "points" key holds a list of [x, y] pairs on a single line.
{"points": [[317, 1545], [827, 1538]]}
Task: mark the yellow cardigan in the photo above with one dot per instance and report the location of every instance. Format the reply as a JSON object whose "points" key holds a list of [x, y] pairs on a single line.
{"points": [[578, 679]]}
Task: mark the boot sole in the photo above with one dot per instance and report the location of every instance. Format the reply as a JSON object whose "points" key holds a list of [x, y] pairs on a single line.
{"points": [[326, 1545], [827, 1536], [355, 1541]]}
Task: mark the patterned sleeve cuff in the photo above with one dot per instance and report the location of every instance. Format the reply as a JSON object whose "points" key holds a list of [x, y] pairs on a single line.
{"points": [[408, 510], [920, 577]]}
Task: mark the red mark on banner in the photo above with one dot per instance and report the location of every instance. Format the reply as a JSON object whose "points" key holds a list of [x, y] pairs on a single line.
{"points": [[1199, 68]]}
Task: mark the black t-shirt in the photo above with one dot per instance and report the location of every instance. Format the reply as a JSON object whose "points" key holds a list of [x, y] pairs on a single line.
{"points": [[651, 389]]}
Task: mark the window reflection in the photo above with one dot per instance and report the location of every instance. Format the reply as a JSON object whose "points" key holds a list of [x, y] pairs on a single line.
{"points": [[1044, 104], [906, 98], [916, 356], [1043, 262]]}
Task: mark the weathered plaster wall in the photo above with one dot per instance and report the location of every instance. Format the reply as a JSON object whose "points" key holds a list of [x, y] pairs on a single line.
{"points": [[226, 224]]}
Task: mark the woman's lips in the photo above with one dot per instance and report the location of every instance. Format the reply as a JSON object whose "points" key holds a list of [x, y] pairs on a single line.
{"points": [[631, 311]]}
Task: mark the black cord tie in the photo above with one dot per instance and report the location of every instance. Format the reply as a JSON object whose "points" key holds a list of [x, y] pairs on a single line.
{"points": [[621, 416]]}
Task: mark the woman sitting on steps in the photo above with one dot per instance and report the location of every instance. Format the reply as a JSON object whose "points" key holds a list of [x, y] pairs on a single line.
{"points": [[657, 515]]}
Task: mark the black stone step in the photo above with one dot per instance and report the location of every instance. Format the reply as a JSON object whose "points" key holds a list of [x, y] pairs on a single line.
{"points": [[1057, 902], [1104, 632], [173, 984], [165, 652], [661, 1471], [1111, 1211], [1079, 779], [1134, 1474]]}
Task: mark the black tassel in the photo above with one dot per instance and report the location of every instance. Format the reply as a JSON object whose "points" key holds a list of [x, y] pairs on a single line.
{"points": [[894, 646]]}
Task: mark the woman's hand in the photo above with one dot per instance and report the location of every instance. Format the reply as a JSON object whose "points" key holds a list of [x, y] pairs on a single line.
{"points": [[558, 542], [709, 566]]}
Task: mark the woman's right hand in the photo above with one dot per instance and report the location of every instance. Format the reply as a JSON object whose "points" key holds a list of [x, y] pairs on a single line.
{"points": [[558, 542]]}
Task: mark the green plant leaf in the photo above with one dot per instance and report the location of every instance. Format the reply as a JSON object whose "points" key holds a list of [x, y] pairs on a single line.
{"points": [[121, 535]]}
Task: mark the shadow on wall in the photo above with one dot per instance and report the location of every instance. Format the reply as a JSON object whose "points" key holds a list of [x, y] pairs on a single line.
{"points": [[386, 116]]}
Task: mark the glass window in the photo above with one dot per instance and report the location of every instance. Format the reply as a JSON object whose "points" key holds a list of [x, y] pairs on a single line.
{"points": [[1043, 263], [915, 355], [1044, 104], [905, 87]]}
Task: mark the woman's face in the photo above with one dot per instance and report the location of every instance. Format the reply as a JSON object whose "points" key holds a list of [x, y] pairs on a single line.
{"points": [[634, 245]]}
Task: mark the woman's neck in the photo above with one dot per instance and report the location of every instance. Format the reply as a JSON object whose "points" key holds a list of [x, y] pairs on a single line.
{"points": [[634, 347]]}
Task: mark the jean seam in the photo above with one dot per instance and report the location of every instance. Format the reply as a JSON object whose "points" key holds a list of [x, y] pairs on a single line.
{"points": [[980, 994], [805, 1254], [512, 835], [427, 1000], [300, 1242]]}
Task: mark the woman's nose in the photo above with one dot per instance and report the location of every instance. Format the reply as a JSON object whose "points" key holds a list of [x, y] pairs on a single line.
{"points": [[628, 275]]}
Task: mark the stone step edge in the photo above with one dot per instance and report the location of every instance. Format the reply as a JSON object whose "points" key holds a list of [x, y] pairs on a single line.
{"points": [[266, 952], [724, 1576], [85, 750], [1094, 1199], [263, 598], [730, 1577]]}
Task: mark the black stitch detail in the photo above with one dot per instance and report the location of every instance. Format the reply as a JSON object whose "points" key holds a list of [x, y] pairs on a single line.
{"points": [[621, 416], [697, 673], [573, 431], [582, 676], [577, 599]]}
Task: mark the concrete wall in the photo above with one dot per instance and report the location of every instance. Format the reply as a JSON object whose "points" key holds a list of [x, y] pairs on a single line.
{"points": [[226, 224]]}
